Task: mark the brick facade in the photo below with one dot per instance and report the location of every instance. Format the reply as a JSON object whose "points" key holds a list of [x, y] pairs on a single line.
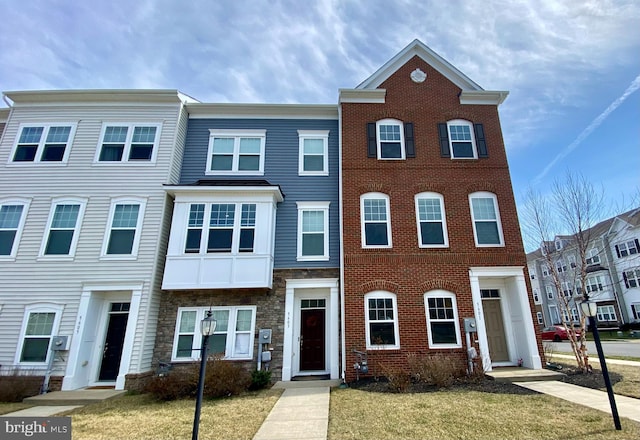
{"points": [[405, 269]]}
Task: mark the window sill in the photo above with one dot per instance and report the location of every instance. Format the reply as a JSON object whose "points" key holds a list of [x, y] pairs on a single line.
{"points": [[444, 346], [55, 258], [145, 163], [322, 258], [313, 173], [489, 245], [27, 164], [234, 173], [382, 347], [118, 257]]}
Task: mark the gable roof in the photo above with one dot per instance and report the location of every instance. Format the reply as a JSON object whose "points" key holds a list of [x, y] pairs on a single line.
{"points": [[471, 93]]}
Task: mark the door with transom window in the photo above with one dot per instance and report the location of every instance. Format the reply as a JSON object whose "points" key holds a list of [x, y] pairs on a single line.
{"points": [[312, 335], [494, 324]]}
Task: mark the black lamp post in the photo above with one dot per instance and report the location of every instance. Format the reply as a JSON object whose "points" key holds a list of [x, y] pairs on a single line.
{"points": [[207, 327], [590, 310]]}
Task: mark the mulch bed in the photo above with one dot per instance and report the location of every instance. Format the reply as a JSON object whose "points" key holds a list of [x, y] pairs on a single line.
{"points": [[381, 385], [594, 380]]}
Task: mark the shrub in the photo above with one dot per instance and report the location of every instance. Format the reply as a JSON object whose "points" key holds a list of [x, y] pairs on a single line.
{"points": [[438, 370], [398, 378], [176, 385], [225, 378], [16, 385], [260, 379]]}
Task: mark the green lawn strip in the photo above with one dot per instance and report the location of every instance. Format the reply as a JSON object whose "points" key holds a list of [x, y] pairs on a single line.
{"points": [[6, 407], [459, 414]]}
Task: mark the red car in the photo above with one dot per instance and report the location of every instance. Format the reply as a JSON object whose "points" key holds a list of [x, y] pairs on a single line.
{"points": [[556, 333]]}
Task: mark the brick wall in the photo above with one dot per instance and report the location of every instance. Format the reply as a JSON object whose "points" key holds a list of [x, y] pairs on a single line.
{"points": [[405, 269]]}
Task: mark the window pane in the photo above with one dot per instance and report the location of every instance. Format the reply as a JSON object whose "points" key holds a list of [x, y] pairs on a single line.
{"points": [[223, 146], [10, 216], [462, 149], [314, 146], [141, 152], [222, 320], [125, 216], [312, 221], [219, 162], [185, 346], [193, 241], [483, 209], [40, 324], [432, 233], [250, 146], [390, 150], [111, 153], [487, 233], [59, 242], [6, 242], [222, 214], [249, 163], [248, 217], [242, 345], [58, 135], [382, 333], [443, 333], [313, 163], [65, 216], [35, 350], [243, 321], [196, 215], [218, 344], [30, 135], [188, 321], [460, 132], [375, 210], [390, 132], [144, 135], [312, 244], [376, 234], [246, 240], [115, 135], [429, 209], [220, 240], [53, 153], [25, 153], [121, 241]]}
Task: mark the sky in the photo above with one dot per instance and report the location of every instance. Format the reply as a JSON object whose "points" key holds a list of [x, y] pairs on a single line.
{"points": [[572, 67]]}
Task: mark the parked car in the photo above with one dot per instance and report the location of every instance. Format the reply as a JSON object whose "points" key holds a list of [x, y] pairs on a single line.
{"points": [[556, 333]]}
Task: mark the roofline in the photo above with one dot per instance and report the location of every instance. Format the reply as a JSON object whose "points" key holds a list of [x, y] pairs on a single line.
{"points": [[366, 96], [262, 111], [483, 97], [274, 190], [418, 48], [35, 97]]}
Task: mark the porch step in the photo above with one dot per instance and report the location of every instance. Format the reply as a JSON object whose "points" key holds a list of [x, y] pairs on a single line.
{"points": [[307, 384], [77, 397], [519, 374]]}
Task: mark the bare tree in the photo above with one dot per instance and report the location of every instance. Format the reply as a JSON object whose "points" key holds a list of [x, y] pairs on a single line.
{"points": [[573, 208]]}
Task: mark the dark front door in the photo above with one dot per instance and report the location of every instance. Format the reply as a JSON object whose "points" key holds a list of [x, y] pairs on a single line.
{"points": [[312, 340], [114, 342]]}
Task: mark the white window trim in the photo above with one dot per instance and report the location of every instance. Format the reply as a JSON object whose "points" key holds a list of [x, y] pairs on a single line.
{"points": [[611, 310], [540, 318], [545, 269], [553, 314], [383, 295], [432, 195], [473, 139], [25, 203], [627, 249], [549, 291], [236, 134], [536, 296], [593, 256], [127, 145], [632, 274], [484, 195], [197, 336], [40, 149], [456, 321], [595, 280], [142, 203], [389, 121], [313, 134], [375, 195], [313, 206], [76, 234], [38, 308]]}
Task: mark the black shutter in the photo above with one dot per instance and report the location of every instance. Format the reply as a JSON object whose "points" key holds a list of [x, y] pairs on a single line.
{"points": [[444, 140], [480, 142], [409, 144], [626, 281], [372, 148], [637, 245], [618, 251]]}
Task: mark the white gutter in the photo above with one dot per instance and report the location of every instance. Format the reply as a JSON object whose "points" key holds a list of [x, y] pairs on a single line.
{"points": [[343, 342]]}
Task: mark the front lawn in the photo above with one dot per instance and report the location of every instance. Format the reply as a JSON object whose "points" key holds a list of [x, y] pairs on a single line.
{"points": [[6, 408]]}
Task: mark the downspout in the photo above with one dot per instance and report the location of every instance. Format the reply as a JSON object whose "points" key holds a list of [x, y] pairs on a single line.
{"points": [[343, 342]]}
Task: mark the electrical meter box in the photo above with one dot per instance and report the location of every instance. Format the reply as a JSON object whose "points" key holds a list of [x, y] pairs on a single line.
{"points": [[264, 336], [60, 343], [266, 356], [470, 325]]}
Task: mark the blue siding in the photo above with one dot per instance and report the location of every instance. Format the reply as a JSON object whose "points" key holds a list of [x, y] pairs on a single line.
{"points": [[281, 168]]}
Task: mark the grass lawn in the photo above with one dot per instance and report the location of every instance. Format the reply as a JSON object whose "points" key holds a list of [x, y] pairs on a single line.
{"points": [[139, 417], [357, 414], [6, 408], [630, 383]]}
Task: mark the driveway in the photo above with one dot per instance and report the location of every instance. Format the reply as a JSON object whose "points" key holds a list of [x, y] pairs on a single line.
{"points": [[611, 348]]}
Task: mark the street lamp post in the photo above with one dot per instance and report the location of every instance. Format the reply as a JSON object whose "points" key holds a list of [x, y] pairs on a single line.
{"points": [[590, 310], [207, 327]]}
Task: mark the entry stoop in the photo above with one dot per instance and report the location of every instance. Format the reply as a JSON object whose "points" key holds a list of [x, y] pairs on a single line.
{"points": [[519, 374], [77, 397]]}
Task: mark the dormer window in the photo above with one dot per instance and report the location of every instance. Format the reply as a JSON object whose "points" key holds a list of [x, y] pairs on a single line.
{"points": [[558, 245]]}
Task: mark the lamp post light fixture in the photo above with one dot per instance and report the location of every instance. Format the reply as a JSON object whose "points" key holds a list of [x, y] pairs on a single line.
{"points": [[207, 327], [590, 310]]}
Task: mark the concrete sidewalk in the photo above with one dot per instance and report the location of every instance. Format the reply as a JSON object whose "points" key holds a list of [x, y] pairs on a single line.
{"points": [[627, 406], [302, 412], [594, 358]]}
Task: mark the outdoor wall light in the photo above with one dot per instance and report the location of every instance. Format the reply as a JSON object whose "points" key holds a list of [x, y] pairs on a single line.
{"points": [[207, 327]]}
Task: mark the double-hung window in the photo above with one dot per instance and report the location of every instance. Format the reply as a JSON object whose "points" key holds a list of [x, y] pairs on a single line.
{"points": [[375, 220], [549, 291], [44, 143], [593, 256], [607, 313], [64, 227], [574, 314], [630, 247], [432, 224], [313, 231], [233, 336], [461, 140], [123, 231], [545, 270], [561, 266], [442, 319], [631, 278], [390, 139], [536, 296], [567, 289], [313, 153], [487, 229], [381, 316], [595, 283], [134, 143], [40, 323], [236, 152], [231, 228], [12, 217]]}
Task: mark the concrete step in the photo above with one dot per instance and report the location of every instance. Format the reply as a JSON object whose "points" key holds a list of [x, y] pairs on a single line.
{"points": [[77, 397], [307, 384], [518, 374]]}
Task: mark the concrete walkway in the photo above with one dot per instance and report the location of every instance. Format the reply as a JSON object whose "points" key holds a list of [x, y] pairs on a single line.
{"points": [[627, 406], [57, 402], [302, 412]]}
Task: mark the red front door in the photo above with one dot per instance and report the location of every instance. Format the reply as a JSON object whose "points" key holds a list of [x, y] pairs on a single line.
{"points": [[312, 340]]}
